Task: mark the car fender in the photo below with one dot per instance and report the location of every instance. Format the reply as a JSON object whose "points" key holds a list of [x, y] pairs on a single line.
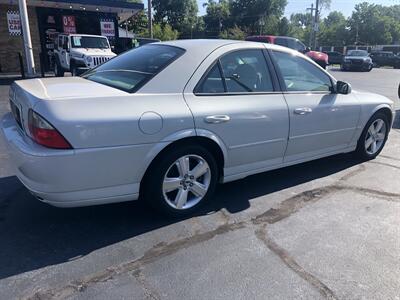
{"points": [[176, 137], [160, 146], [214, 137]]}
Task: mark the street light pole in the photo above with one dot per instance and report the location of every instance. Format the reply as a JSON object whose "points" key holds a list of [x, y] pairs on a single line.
{"points": [[310, 43], [150, 18], [26, 33], [316, 23]]}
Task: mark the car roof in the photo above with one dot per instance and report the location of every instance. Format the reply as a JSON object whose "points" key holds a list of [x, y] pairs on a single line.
{"points": [[78, 34]]}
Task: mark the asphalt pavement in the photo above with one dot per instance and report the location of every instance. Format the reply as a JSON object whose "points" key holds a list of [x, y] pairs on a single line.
{"points": [[328, 229]]}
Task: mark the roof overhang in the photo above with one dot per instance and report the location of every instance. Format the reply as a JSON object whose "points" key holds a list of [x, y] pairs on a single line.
{"points": [[123, 9]]}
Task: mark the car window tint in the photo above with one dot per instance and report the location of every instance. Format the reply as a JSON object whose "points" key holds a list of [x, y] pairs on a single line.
{"points": [[132, 69], [212, 83], [246, 71], [301, 75], [281, 42]]}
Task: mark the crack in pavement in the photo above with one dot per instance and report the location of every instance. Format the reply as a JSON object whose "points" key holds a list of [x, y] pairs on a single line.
{"points": [[384, 164], [389, 157], [285, 209], [149, 292], [291, 263]]}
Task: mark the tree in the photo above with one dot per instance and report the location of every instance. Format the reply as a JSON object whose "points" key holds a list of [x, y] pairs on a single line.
{"points": [[181, 15], [234, 33], [333, 30], [250, 15], [217, 17]]}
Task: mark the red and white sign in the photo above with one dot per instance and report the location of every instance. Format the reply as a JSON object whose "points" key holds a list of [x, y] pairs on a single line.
{"points": [[107, 28], [69, 25], [14, 23]]}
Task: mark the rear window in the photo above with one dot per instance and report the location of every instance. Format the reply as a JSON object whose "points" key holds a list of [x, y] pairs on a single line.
{"points": [[131, 70]]}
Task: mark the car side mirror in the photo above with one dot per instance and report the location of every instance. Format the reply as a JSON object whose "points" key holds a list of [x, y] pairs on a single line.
{"points": [[343, 88], [308, 49]]}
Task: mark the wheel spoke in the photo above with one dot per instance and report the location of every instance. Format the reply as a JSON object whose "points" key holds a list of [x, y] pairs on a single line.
{"points": [[199, 170], [379, 125], [198, 189], [181, 198], [374, 147], [368, 142], [371, 130], [183, 166], [380, 136], [171, 184]]}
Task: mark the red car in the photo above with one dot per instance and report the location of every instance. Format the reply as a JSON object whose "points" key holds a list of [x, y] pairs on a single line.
{"points": [[319, 57]]}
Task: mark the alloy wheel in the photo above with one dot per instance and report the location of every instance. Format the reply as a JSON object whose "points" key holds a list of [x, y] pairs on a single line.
{"points": [[375, 137], [186, 182]]}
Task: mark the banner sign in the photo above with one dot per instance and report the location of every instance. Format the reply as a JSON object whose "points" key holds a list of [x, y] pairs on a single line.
{"points": [[107, 28], [14, 23], [69, 24]]}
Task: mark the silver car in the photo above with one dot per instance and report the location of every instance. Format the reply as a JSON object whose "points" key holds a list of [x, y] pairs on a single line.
{"points": [[168, 121]]}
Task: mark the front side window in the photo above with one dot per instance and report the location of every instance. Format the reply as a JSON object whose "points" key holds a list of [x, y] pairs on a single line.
{"points": [[301, 75], [130, 70], [243, 71]]}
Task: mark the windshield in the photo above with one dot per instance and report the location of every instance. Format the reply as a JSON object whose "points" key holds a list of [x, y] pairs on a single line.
{"points": [[357, 53], [89, 42], [131, 70]]}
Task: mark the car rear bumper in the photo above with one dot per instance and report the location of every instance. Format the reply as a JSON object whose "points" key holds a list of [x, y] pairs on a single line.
{"points": [[70, 178]]}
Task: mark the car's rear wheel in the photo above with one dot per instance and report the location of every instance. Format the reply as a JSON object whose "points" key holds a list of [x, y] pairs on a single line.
{"points": [[58, 70], [373, 137], [181, 180]]}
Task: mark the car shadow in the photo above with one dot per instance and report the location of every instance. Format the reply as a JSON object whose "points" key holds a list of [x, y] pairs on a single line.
{"points": [[35, 235]]}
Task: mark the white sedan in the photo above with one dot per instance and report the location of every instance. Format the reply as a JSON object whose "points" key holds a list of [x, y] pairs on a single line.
{"points": [[170, 120]]}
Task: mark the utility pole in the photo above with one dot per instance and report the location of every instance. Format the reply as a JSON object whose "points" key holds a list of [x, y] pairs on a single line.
{"points": [[30, 63], [150, 20], [310, 43], [316, 23]]}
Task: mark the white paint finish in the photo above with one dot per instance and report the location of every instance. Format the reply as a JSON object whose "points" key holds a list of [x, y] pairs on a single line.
{"points": [[116, 135]]}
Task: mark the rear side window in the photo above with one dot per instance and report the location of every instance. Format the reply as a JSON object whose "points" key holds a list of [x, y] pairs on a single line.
{"points": [[213, 82], [242, 71], [131, 70]]}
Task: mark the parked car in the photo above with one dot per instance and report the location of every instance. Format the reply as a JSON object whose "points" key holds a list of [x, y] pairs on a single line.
{"points": [[357, 60], [170, 120], [334, 57], [385, 58], [73, 51], [293, 43]]}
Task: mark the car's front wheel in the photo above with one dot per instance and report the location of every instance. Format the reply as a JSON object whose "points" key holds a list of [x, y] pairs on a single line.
{"points": [[181, 180], [373, 137]]}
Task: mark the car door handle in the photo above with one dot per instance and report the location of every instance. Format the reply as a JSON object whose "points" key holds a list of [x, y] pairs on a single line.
{"points": [[303, 111], [217, 119]]}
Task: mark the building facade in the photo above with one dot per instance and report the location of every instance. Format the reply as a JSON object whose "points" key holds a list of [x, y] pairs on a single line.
{"points": [[48, 18]]}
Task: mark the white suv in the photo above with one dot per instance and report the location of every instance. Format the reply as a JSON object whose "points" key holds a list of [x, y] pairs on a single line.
{"points": [[73, 51]]}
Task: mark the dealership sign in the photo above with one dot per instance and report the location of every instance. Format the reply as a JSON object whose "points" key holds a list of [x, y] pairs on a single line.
{"points": [[14, 23], [107, 28], [69, 24]]}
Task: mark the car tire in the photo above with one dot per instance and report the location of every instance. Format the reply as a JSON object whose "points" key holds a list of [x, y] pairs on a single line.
{"points": [[165, 185], [73, 69], [370, 137], [58, 70], [342, 68]]}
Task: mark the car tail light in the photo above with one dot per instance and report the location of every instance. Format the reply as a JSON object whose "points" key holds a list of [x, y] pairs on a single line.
{"points": [[43, 133]]}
